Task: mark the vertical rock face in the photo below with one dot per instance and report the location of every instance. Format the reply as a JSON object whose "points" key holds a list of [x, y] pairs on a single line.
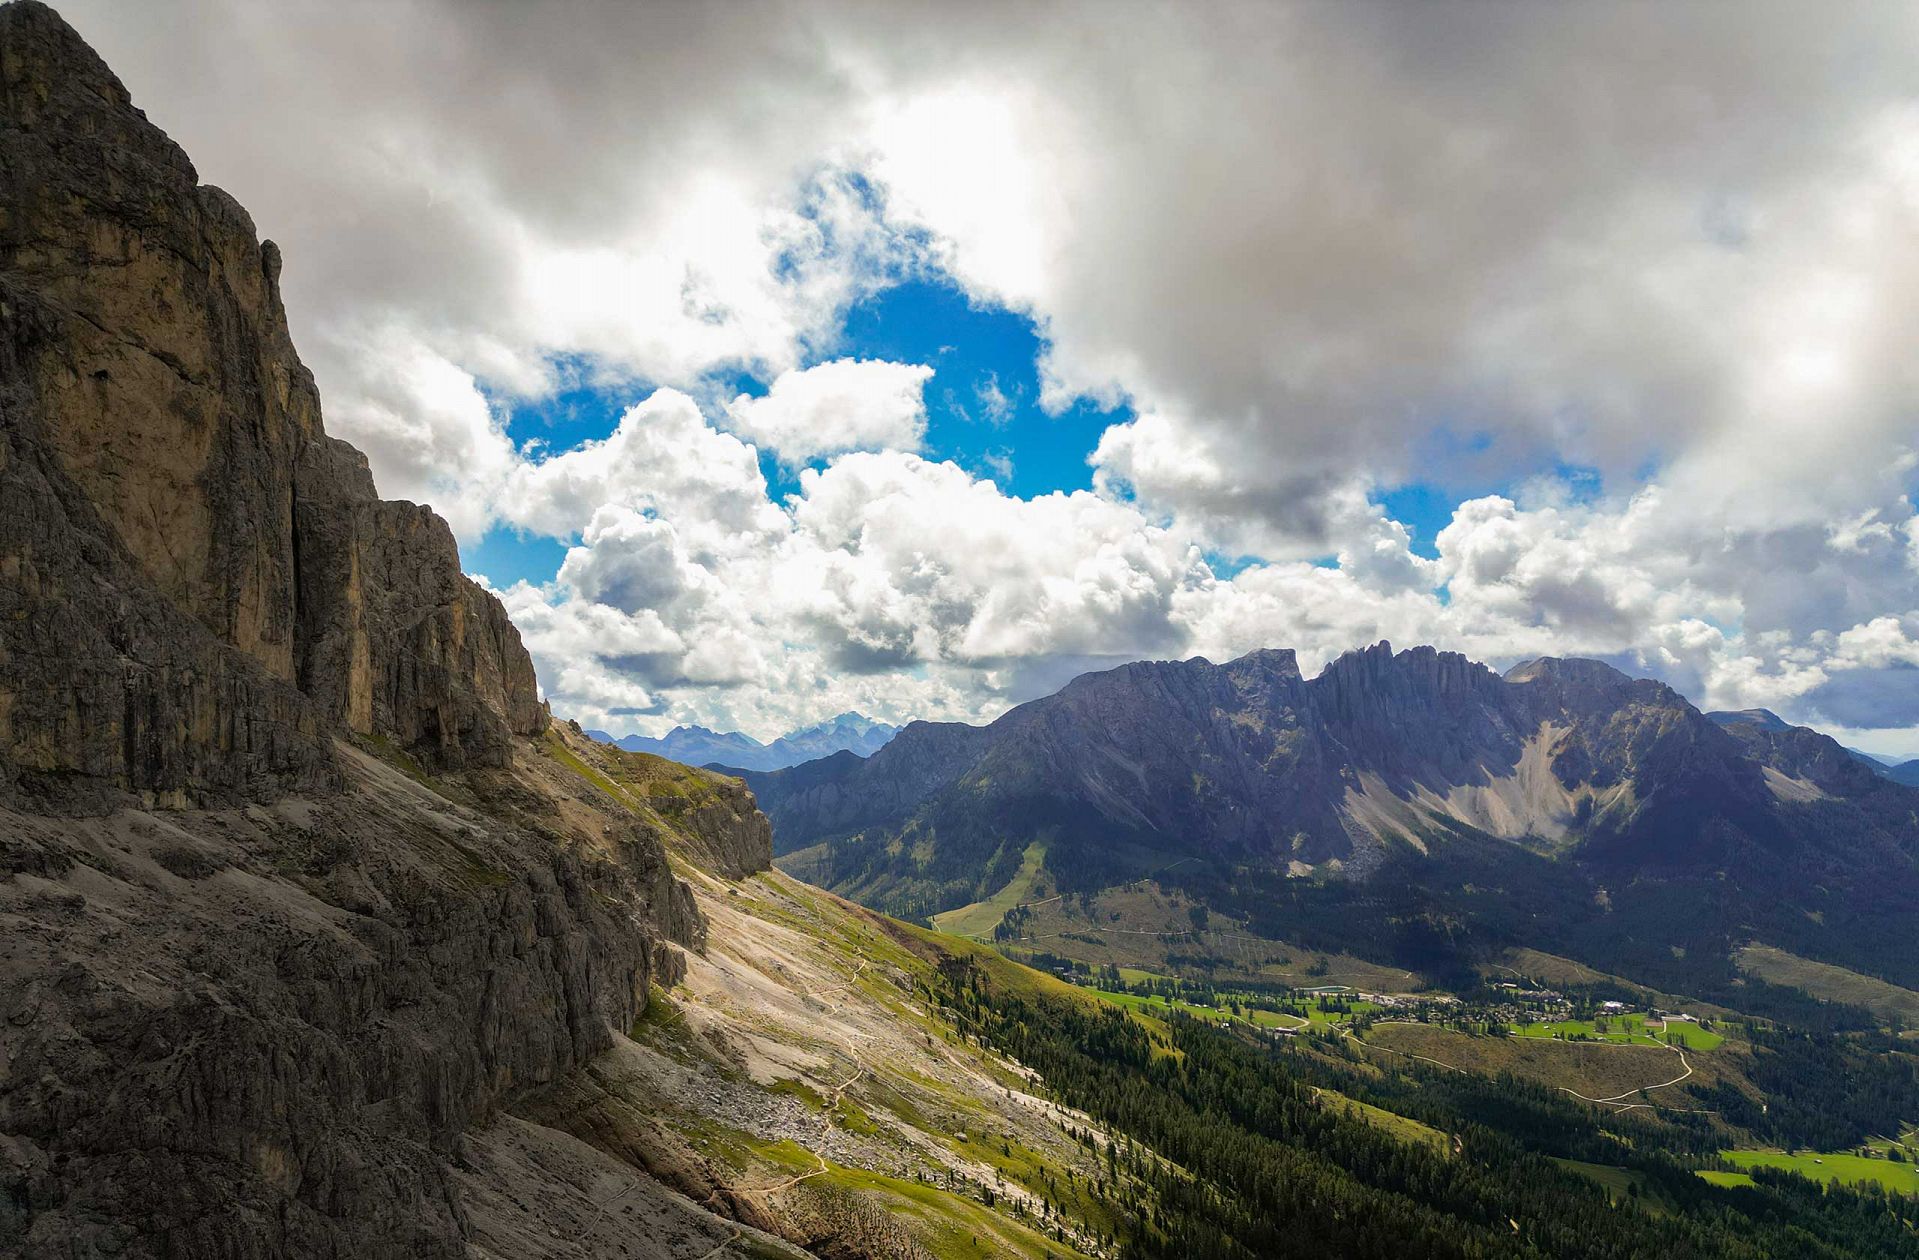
{"points": [[260, 1019], [170, 394], [170, 491], [393, 639]]}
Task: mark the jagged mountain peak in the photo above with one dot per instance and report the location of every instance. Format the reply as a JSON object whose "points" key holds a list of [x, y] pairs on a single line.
{"points": [[1370, 677], [1279, 662], [1372, 654], [1248, 762]]}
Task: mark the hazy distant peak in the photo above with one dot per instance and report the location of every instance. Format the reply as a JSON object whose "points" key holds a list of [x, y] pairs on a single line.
{"points": [[1578, 670], [703, 746], [1764, 719]]}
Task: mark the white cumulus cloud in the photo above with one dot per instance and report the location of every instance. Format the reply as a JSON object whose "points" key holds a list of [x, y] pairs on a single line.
{"points": [[831, 408]]}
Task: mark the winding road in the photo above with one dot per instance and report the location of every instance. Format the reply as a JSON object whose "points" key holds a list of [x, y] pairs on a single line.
{"points": [[1617, 1100]]}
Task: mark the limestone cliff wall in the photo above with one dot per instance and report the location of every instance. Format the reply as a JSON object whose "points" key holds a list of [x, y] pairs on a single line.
{"points": [[260, 984], [159, 424]]}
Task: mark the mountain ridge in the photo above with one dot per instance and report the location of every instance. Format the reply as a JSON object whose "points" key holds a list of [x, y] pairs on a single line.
{"points": [[1250, 764], [1767, 720]]}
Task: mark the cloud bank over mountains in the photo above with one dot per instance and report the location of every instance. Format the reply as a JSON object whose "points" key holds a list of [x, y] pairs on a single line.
{"points": [[1628, 287]]}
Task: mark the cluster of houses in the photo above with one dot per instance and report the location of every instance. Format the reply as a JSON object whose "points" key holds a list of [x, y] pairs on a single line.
{"points": [[1518, 1004]]}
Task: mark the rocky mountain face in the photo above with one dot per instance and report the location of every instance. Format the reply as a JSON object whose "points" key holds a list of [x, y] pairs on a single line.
{"points": [[1767, 720], [730, 750], [200, 583], [299, 889], [1251, 763]]}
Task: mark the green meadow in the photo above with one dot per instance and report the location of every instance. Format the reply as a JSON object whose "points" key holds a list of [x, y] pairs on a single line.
{"points": [[1846, 1168], [1625, 1030]]}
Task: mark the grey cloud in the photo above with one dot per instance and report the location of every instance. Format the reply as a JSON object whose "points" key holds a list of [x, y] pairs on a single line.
{"points": [[1297, 229], [1869, 699], [652, 669]]}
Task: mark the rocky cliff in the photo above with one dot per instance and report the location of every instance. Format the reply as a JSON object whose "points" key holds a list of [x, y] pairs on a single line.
{"points": [[200, 581], [298, 889]]}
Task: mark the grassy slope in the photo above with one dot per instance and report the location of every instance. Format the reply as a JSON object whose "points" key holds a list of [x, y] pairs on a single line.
{"points": [[796, 1070], [1404, 1128], [1623, 1184], [1308, 1015], [1145, 927], [979, 919], [1592, 1069], [1830, 983], [1836, 1167], [1626, 1030], [953, 1098]]}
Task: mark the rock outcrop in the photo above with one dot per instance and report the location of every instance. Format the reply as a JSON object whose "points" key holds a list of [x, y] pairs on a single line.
{"points": [[732, 835], [710, 816], [169, 490], [262, 1032], [393, 638]]}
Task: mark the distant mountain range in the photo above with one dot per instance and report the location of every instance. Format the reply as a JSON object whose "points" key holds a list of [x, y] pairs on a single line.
{"points": [[1253, 762], [698, 746], [1418, 773]]}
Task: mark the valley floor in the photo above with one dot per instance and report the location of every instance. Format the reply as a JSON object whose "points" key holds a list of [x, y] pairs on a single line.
{"points": [[1715, 1086]]}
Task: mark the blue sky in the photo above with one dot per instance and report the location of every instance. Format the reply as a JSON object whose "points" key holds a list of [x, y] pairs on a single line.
{"points": [[982, 402], [982, 410]]}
